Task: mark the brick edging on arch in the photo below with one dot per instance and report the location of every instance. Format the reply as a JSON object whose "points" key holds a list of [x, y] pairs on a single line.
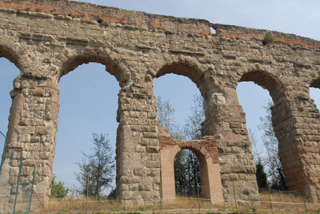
{"points": [[207, 153]]}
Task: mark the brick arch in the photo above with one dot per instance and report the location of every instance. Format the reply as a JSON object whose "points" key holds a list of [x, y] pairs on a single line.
{"points": [[207, 153], [201, 151]]}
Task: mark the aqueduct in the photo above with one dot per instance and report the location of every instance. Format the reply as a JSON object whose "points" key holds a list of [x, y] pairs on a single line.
{"points": [[47, 39]]}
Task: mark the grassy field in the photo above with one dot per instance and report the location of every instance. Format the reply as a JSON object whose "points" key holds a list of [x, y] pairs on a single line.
{"points": [[281, 203]]}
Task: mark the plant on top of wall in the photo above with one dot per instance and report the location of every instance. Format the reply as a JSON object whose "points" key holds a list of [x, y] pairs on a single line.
{"points": [[268, 39]]}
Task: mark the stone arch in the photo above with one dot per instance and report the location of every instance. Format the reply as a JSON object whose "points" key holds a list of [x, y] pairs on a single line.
{"points": [[207, 152], [190, 70], [280, 119], [12, 103], [7, 51], [315, 83], [227, 123], [70, 64], [111, 66], [267, 81]]}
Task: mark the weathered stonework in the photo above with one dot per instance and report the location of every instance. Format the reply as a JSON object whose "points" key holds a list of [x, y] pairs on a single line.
{"points": [[47, 39]]}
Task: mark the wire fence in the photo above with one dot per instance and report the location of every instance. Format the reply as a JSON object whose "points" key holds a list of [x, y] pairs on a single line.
{"points": [[17, 195], [17, 177], [271, 201]]}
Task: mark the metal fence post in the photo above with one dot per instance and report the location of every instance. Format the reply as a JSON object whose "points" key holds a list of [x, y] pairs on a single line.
{"points": [[234, 194], [198, 195], [160, 189], [18, 183], [4, 149], [304, 201], [29, 204], [124, 197], [270, 199], [87, 193]]}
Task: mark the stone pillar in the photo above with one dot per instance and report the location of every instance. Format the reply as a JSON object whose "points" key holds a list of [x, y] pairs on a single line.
{"points": [[225, 120], [32, 128], [168, 186], [296, 123], [10, 168], [138, 151]]}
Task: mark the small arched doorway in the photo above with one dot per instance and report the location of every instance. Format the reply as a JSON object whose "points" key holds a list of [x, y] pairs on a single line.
{"points": [[187, 174], [207, 152]]}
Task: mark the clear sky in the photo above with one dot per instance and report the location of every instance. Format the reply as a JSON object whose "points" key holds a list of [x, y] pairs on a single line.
{"points": [[88, 101]]}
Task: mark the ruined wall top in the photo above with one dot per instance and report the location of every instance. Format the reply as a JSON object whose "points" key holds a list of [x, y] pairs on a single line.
{"points": [[107, 14], [110, 14]]}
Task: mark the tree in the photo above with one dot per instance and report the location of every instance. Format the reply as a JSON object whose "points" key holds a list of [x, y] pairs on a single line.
{"points": [[180, 172], [187, 173], [165, 114], [257, 151], [166, 118], [261, 176], [112, 194], [272, 161], [193, 131], [58, 190], [193, 126], [97, 174]]}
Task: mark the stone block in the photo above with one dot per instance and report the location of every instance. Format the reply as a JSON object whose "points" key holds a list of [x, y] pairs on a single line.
{"points": [[140, 149], [139, 172], [150, 135], [153, 164], [153, 149], [35, 139]]}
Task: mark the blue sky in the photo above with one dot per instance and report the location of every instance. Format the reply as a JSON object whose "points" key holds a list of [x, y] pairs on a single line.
{"points": [[88, 101]]}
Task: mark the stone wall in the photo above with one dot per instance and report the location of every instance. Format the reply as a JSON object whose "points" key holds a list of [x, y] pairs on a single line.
{"points": [[47, 39]]}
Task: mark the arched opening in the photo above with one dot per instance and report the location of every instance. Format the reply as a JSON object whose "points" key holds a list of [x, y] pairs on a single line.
{"points": [[182, 69], [315, 92], [10, 69], [263, 128], [184, 93], [88, 104], [266, 81], [110, 66], [9, 55], [206, 151], [187, 174], [10, 156], [179, 85], [8, 73], [175, 86]]}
